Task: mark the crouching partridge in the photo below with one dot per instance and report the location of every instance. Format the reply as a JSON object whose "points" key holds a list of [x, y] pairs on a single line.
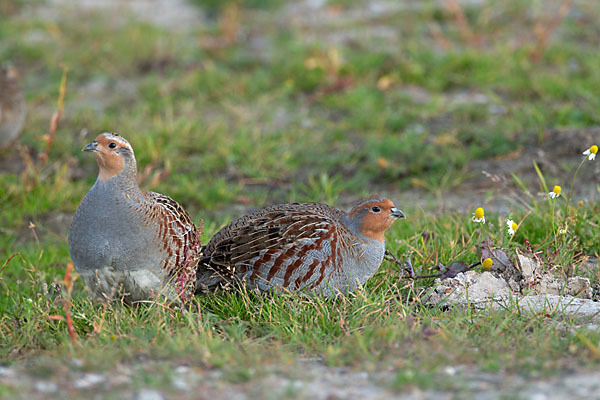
{"points": [[13, 107], [300, 246], [129, 243]]}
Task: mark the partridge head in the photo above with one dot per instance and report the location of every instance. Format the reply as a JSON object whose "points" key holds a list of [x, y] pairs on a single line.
{"points": [[373, 217], [300, 246], [114, 156], [130, 243]]}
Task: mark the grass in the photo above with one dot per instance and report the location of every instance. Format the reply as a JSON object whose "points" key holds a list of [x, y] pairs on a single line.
{"points": [[270, 115]]}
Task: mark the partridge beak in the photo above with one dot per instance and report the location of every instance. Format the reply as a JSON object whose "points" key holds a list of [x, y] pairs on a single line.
{"points": [[396, 213], [90, 147]]}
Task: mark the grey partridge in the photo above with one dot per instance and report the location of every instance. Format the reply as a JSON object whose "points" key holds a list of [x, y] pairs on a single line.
{"points": [[129, 243], [300, 246], [13, 107]]}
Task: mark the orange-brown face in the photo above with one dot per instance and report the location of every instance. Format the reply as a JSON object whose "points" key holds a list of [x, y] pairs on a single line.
{"points": [[376, 216], [109, 150]]}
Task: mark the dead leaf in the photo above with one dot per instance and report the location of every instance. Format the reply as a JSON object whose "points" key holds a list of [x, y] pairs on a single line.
{"points": [[382, 162], [499, 256], [454, 269]]}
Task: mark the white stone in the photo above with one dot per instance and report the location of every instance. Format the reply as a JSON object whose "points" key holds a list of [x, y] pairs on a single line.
{"points": [[528, 266], [469, 286], [46, 387], [6, 372], [147, 394], [88, 380]]}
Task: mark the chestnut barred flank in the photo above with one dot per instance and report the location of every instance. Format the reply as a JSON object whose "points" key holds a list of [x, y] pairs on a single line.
{"points": [[300, 246]]}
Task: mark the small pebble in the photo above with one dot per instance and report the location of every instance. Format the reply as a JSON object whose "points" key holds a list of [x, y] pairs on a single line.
{"points": [[46, 387], [147, 394], [87, 381]]}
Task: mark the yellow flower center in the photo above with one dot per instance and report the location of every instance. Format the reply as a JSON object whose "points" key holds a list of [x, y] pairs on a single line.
{"points": [[557, 189], [479, 213], [514, 226], [594, 149], [487, 263]]}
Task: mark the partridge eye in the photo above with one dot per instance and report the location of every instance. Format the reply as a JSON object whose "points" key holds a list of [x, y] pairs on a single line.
{"points": [[376, 209], [112, 145]]}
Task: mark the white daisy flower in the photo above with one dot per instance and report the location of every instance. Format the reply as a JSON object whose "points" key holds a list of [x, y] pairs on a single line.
{"points": [[478, 216], [512, 226], [555, 192], [591, 152]]}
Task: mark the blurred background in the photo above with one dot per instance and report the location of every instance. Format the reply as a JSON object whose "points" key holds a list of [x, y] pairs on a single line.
{"points": [[231, 105], [441, 105]]}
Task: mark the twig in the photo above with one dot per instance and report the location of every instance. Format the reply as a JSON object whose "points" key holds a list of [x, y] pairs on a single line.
{"points": [[411, 272]]}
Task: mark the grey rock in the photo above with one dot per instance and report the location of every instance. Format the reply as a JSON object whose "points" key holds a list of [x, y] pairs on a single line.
{"points": [[568, 305], [536, 281], [580, 287], [528, 279]]}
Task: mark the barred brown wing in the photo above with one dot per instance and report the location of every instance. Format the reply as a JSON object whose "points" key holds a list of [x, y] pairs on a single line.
{"points": [[289, 245]]}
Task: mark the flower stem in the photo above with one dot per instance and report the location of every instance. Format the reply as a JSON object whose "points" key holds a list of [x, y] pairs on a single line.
{"points": [[571, 192], [554, 231]]}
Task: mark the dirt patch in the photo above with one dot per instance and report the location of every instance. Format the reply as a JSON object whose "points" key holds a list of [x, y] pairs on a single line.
{"points": [[174, 15], [306, 379]]}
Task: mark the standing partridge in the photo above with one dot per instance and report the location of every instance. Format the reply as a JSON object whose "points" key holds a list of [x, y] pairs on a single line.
{"points": [[300, 246], [12, 107], [128, 242]]}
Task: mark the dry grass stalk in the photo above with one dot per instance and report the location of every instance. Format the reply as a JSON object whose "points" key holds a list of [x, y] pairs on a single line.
{"points": [[10, 258], [543, 31], [55, 118], [460, 19], [68, 282]]}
